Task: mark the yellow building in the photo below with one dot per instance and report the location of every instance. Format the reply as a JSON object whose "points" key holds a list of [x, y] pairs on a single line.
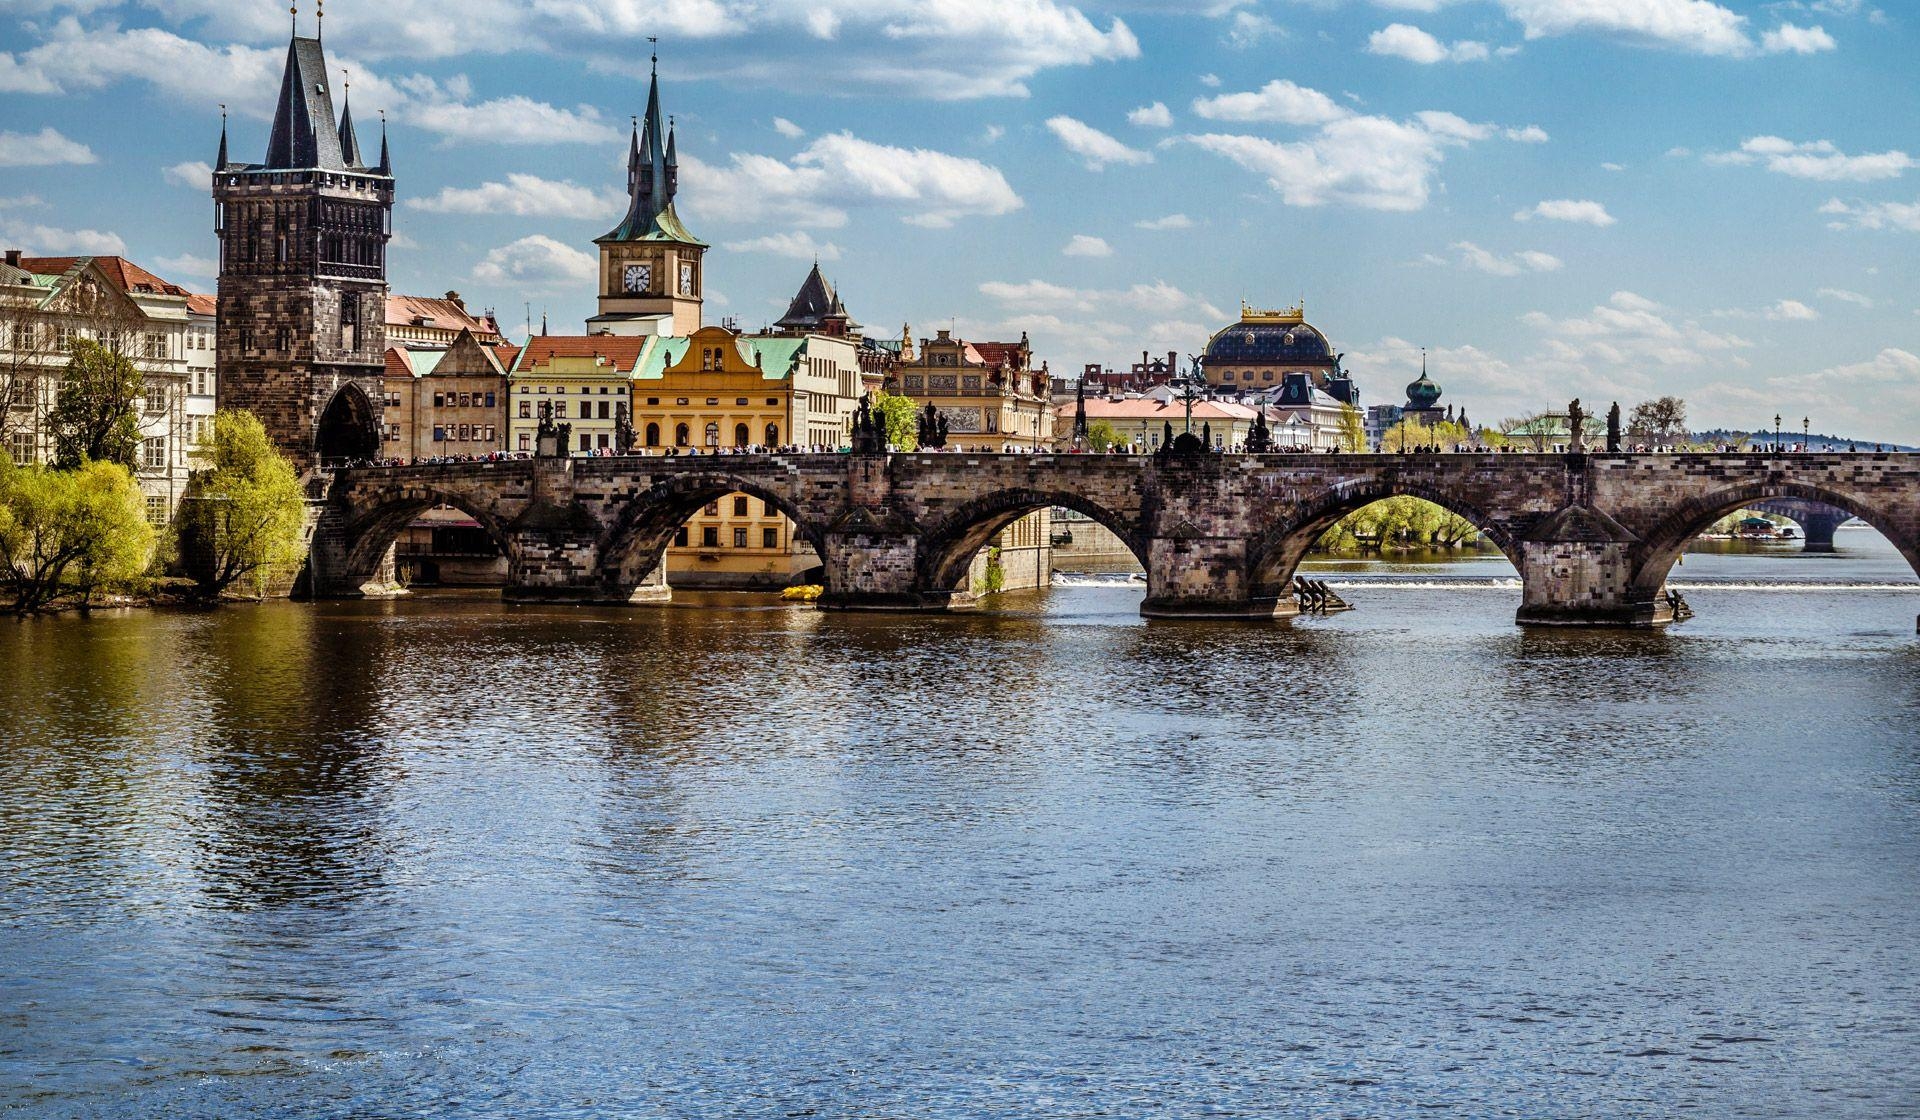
{"points": [[988, 392], [582, 379]]}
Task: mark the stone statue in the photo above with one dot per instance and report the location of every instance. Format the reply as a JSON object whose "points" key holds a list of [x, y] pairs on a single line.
{"points": [[1613, 428], [623, 434], [546, 418], [1577, 426]]}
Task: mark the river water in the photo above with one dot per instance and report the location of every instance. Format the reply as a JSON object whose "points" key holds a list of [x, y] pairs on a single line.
{"points": [[445, 857]]}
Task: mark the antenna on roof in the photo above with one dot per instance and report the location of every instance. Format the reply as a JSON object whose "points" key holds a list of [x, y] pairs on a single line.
{"points": [[294, 11], [655, 51], [319, 17]]}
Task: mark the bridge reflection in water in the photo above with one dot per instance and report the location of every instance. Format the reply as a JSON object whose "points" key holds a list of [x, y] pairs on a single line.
{"points": [[1219, 536]]}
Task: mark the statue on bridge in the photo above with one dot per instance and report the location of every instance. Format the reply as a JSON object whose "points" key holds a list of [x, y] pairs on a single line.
{"points": [[1613, 429], [550, 439], [869, 429], [932, 427], [1576, 427], [623, 434], [1260, 439]]}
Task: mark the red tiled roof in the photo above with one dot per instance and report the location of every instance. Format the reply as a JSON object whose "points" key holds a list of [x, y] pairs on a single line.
{"points": [[398, 363], [999, 353], [623, 351], [203, 304], [120, 271], [506, 352], [446, 314]]}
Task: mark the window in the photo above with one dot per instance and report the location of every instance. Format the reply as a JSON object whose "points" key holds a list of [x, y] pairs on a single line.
{"points": [[156, 346], [710, 537], [741, 401], [153, 453], [156, 510], [713, 434], [439, 433], [283, 340], [526, 442], [713, 509], [1266, 375], [489, 400], [586, 410], [653, 435], [1228, 376], [603, 440], [741, 436], [466, 400], [586, 442], [20, 446], [770, 537], [739, 507], [603, 409], [439, 400], [739, 538], [773, 435], [680, 537], [772, 510], [773, 402], [526, 410], [653, 400], [681, 435], [156, 398]]}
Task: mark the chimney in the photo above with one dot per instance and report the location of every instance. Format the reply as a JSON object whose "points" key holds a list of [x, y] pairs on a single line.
{"points": [[13, 257]]}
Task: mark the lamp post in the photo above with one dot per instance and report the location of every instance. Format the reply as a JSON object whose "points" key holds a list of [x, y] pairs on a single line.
{"points": [[1806, 434], [1191, 387], [1776, 433]]}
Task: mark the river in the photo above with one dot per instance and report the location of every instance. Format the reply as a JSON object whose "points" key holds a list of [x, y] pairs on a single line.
{"points": [[447, 857]]}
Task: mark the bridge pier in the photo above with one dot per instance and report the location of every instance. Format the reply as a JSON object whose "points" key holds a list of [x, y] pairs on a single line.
{"points": [[1577, 569], [1190, 576]]}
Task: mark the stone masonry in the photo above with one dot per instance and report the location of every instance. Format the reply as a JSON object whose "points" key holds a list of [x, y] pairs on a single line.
{"points": [[1220, 536]]}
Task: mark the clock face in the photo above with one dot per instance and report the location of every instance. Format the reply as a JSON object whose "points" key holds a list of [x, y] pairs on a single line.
{"points": [[637, 277], [686, 279]]}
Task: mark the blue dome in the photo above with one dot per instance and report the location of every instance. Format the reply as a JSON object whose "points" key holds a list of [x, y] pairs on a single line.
{"points": [[1423, 394], [1268, 343]]}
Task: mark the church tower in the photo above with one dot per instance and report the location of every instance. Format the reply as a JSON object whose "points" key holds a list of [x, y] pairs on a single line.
{"points": [[301, 337], [650, 270]]}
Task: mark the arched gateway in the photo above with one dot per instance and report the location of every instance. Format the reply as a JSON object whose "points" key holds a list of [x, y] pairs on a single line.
{"points": [[1219, 535]]}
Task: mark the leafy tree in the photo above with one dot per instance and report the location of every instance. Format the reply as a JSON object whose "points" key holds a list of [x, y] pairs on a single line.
{"points": [[1661, 422], [93, 417], [1396, 523], [68, 533], [1102, 436], [900, 418], [1411, 432], [244, 514], [1353, 429]]}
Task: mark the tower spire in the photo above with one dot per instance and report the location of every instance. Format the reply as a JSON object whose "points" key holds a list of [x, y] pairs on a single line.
{"points": [[386, 164], [349, 141], [220, 164]]}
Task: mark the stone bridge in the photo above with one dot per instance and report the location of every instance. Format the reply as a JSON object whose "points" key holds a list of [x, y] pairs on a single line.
{"points": [[1593, 536]]}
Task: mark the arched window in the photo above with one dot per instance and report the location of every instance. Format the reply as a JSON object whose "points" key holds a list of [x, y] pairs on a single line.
{"points": [[741, 436], [713, 434], [773, 435], [653, 435], [682, 435]]}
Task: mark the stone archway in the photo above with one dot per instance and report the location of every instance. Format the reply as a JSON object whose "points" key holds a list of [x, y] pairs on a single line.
{"points": [[370, 536], [632, 553], [349, 429], [947, 549]]}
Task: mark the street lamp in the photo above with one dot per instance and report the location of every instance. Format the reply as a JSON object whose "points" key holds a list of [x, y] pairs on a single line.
{"points": [[1191, 387], [1806, 434], [1776, 433]]}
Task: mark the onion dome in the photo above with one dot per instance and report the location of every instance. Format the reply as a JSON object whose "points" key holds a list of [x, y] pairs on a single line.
{"points": [[1422, 394]]}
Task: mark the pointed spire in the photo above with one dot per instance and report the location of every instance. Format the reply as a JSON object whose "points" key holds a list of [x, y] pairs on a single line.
{"points": [[386, 163], [633, 158], [220, 164], [349, 142], [673, 165], [304, 133]]}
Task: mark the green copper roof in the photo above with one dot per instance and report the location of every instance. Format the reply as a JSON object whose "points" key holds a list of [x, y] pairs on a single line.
{"points": [[665, 226]]}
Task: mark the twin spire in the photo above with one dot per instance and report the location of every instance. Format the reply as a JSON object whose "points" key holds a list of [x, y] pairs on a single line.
{"points": [[653, 175], [305, 134]]}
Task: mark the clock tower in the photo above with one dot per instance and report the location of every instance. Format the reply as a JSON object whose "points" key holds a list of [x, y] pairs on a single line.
{"points": [[651, 275]]}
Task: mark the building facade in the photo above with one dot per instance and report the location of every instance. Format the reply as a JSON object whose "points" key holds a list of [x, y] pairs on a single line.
{"points": [[988, 392], [1256, 354], [301, 336], [449, 403], [581, 381], [424, 322]]}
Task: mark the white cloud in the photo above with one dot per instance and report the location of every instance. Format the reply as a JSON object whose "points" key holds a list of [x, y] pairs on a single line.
{"points": [[186, 264], [1279, 100], [526, 196], [40, 240], [1403, 40], [503, 120], [1086, 245], [788, 129], [1094, 147], [1842, 295], [1474, 257], [1891, 366], [194, 174], [1697, 26], [537, 262], [1791, 311], [1630, 329], [1531, 134], [1613, 167], [840, 170], [1585, 211], [46, 148], [1249, 29], [1171, 221], [1156, 115], [798, 245], [1788, 39], [992, 134], [1873, 215], [1211, 81], [1372, 162], [21, 202], [1818, 160]]}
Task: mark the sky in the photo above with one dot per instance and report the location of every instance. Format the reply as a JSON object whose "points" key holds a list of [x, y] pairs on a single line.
{"points": [[1603, 199]]}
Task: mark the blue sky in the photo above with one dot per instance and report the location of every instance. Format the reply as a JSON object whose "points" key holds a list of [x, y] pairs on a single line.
{"points": [[1609, 199]]}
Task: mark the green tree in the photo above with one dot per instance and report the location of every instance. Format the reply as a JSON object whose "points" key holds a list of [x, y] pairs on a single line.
{"points": [[1397, 523], [899, 418], [243, 516], [1411, 433], [1353, 430], [1661, 422], [93, 417], [65, 534], [1102, 436]]}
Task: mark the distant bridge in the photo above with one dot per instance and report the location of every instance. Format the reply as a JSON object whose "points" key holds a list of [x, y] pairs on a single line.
{"points": [[1220, 536]]}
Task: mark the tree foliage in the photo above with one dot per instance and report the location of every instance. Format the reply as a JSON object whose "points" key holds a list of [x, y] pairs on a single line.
{"points": [[1102, 436], [1661, 422], [243, 516], [1413, 433], [899, 417], [1353, 429], [66, 534], [1398, 523], [93, 417]]}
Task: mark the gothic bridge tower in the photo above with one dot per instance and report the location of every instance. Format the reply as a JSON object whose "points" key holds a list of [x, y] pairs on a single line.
{"points": [[301, 339], [650, 265]]}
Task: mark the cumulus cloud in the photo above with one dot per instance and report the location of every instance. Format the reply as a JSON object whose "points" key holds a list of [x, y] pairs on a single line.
{"points": [[1171, 221], [1583, 210], [46, 148], [1842, 295], [1371, 162], [1696, 26], [1788, 39], [1403, 40], [537, 262], [814, 189], [798, 245], [1631, 329], [1279, 100], [788, 129], [1249, 29], [1818, 160], [1873, 215], [1110, 325], [1156, 115], [1482, 260], [194, 174], [43, 240], [1531, 134], [526, 196], [1791, 311], [188, 265], [1095, 148], [1086, 245], [1157, 298]]}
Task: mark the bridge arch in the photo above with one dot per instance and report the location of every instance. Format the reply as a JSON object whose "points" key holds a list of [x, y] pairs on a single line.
{"points": [[947, 548], [635, 546], [1662, 546], [383, 514], [1275, 553], [349, 427]]}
